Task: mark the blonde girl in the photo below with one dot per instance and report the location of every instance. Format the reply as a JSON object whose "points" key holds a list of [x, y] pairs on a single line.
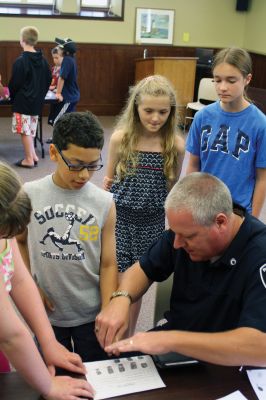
{"points": [[144, 160], [228, 138]]}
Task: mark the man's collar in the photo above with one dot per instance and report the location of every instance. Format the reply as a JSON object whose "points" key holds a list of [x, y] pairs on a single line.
{"points": [[232, 254]]}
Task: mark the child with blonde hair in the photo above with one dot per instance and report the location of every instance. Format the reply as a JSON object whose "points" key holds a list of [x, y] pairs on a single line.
{"points": [[29, 83], [144, 161]]}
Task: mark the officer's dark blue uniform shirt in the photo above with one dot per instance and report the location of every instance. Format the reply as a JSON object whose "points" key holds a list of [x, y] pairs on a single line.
{"points": [[214, 297]]}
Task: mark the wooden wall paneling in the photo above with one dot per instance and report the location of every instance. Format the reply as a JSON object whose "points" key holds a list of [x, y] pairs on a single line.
{"points": [[144, 68], [259, 71], [3, 69], [258, 96], [105, 71]]}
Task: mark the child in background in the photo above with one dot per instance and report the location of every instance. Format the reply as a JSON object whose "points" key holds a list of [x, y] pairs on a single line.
{"points": [[55, 107], [4, 91], [144, 161], [228, 138], [57, 58], [70, 242], [67, 91], [16, 341], [29, 83]]}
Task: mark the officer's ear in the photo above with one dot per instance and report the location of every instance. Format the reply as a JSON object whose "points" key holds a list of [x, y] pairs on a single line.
{"points": [[221, 221]]}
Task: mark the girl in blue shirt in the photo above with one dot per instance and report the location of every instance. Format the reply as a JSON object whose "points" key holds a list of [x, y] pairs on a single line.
{"points": [[228, 138]]}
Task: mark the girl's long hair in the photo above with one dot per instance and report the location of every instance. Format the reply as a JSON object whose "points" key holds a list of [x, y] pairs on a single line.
{"points": [[129, 123]]}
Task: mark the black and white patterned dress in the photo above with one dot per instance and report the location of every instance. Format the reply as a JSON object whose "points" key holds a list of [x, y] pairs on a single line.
{"points": [[139, 202]]}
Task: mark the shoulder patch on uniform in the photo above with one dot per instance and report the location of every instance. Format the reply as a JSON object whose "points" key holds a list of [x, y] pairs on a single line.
{"points": [[263, 274]]}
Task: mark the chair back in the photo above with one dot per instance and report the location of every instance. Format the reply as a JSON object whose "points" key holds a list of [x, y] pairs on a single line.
{"points": [[207, 90], [162, 299]]}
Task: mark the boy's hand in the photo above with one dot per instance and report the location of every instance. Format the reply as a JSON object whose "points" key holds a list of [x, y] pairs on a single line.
{"points": [[56, 355], [66, 388], [59, 97], [112, 322]]}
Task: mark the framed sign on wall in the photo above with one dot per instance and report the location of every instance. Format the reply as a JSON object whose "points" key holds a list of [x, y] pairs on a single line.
{"points": [[154, 26]]}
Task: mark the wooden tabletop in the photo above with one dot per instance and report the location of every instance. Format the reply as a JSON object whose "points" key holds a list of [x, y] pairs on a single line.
{"points": [[198, 382]]}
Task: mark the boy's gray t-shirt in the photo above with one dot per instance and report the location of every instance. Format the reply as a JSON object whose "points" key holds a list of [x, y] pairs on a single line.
{"points": [[64, 241]]}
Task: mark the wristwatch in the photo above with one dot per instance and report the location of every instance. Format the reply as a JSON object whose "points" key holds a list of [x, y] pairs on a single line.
{"points": [[122, 293]]}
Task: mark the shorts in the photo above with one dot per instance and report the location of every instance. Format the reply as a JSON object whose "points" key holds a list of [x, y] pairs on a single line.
{"points": [[24, 124]]}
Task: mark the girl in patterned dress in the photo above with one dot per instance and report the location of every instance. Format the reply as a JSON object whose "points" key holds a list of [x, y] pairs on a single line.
{"points": [[144, 161], [16, 342]]}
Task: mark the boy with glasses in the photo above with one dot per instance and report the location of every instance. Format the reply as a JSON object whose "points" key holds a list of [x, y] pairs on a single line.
{"points": [[69, 245]]}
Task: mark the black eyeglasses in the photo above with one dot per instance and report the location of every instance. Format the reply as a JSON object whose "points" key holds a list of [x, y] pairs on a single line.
{"points": [[80, 167]]}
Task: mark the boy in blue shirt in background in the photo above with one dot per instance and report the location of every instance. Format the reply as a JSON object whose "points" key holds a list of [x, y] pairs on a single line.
{"points": [[67, 91]]}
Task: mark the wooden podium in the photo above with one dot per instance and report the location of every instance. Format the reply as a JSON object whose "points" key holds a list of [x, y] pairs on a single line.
{"points": [[181, 71]]}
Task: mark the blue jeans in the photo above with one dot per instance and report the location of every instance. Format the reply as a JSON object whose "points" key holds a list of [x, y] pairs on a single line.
{"points": [[82, 340]]}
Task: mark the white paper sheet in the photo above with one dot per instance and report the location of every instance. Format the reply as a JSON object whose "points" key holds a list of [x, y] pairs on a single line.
{"points": [[120, 376], [50, 95], [257, 379], [237, 395]]}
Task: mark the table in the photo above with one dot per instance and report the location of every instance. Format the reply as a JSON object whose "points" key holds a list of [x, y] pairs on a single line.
{"points": [[49, 99], [198, 382]]}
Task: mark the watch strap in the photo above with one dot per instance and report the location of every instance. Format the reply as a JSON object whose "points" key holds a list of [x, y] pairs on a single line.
{"points": [[120, 293]]}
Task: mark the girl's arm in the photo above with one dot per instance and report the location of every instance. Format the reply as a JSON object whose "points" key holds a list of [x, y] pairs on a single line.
{"points": [[180, 149], [17, 343], [112, 159], [193, 164], [259, 192], [19, 347], [28, 301], [180, 145]]}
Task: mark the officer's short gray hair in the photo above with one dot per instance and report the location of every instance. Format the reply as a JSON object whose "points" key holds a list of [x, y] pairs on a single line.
{"points": [[203, 195]]}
